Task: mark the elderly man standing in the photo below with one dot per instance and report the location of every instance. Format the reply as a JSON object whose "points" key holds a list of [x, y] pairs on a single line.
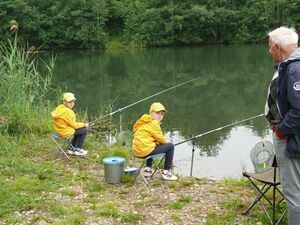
{"points": [[283, 113]]}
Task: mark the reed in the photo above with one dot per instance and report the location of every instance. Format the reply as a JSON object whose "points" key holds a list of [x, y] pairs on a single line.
{"points": [[24, 92]]}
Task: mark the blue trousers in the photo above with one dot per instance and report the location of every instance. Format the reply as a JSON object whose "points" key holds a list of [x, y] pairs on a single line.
{"points": [[79, 137], [163, 148]]}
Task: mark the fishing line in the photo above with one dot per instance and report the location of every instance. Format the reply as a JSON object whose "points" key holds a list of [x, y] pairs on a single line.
{"points": [[141, 100], [217, 129], [208, 132]]}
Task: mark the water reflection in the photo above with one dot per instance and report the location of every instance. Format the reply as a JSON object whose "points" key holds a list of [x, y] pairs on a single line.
{"points": [[232, 86], [231, 159]]}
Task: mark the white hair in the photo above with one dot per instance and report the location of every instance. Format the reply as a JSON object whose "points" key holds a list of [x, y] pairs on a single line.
{"points": [[284, 36]]}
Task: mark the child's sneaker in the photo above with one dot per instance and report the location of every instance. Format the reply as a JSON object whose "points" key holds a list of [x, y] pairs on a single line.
{"points": [[147, 172], [84, 151], [167, 175], [78, 152]]}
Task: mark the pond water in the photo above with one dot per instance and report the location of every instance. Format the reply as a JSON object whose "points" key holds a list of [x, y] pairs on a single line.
{"points": [[231, 85]]}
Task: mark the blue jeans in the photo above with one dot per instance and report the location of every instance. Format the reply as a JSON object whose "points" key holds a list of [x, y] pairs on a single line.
{"points": [[163, 148], [79, 137]]}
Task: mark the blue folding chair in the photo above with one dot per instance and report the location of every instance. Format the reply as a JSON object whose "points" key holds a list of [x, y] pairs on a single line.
{"points": [[155, 165], [66, 143]]}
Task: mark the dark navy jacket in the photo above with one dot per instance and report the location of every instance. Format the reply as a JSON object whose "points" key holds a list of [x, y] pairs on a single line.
{"points": [[288, 102]]}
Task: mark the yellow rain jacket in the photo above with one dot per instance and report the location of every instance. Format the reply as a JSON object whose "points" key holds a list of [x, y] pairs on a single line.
{"points": [[147, 134], [64, 121]]}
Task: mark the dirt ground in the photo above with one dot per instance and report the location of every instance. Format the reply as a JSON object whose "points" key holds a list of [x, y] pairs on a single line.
{"points": [[185, 201]]}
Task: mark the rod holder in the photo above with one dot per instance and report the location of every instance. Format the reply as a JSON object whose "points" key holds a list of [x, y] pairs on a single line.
{"points": [[192, 161]]}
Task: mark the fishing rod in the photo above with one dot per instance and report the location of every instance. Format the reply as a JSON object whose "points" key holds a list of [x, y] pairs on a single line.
{"points": [[141, 100], [217, 129], [211, 131]]}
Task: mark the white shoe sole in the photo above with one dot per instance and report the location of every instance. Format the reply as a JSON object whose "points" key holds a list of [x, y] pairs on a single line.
{"points": [[77, 153]]}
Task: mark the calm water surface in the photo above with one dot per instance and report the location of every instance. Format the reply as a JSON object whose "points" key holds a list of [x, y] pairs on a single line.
{"points": [[232, 86]]}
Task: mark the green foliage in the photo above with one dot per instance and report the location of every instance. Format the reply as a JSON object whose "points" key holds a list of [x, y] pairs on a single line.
{"points": [[127, 178], [115, 151], [102, 127], [114, 46], [94, 23]]}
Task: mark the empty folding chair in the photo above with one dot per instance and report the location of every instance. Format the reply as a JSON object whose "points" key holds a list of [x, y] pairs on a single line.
{"points": [[265, 178], [156, 166]]}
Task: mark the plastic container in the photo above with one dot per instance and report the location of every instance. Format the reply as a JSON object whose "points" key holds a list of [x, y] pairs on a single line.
{"points": [[113, 169], [130, 171]]}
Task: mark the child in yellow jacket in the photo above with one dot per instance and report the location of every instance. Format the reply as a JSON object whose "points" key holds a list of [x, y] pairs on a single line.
{"points": [[149, 140], [64, 121]]}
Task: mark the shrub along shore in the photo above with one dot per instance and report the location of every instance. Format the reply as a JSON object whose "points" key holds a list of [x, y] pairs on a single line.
{"points": [[39, 187]]}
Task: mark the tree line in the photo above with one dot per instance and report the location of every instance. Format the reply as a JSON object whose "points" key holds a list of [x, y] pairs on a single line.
{"points": [[96, 23]]}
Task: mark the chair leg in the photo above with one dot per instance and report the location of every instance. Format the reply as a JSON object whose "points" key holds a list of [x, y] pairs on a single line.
{"points": [[157, 166], [273, 221], [281, 217], [61, 149], [65, 153], [273, 205], [260, 193], [281, 194], [140, 173]]}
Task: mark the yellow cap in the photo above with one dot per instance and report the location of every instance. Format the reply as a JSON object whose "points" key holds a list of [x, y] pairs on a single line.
{"points": [[156, 107], [69, 97]]}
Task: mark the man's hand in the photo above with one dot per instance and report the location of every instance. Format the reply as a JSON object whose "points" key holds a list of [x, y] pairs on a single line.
{"points": [[279, 135]]}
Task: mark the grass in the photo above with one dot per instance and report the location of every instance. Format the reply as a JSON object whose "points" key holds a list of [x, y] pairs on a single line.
{"points": [[23, 94], [57, 210], [108, 209], [186, 182], [179, 203], [176, 218]]}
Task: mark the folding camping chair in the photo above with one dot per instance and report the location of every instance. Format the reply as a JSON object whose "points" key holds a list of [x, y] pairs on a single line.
{"points": [[155, 164], [266, 177], [62, 144]]}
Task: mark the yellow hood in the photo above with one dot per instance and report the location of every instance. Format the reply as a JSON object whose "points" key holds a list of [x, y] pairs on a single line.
{"points": [[141, 121], [59, 111]]}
